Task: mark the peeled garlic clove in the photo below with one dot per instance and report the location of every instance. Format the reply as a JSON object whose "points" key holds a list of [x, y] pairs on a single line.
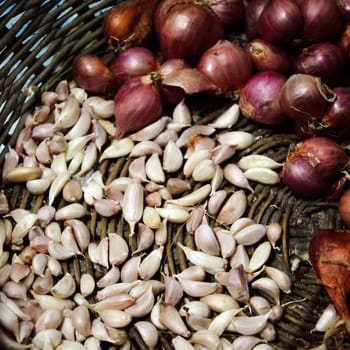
{"points": [[151, 131], [250, 325], [274, 233], [115, 318], [76, 145], [133, 204], [179, 343], [220, 302], [118, 249], [188, 133], [110, 278], [71, 211], [58, 251], [65, 287], [173, 291], [154, 169], [172, 157], [205, 240], [269, 287], [240, 139], [204, 170], [328, 319], [22, 228], [194, 159], [148, 333], [142, 305], [171, 319], [151, 263], [233, 208], [235, 176], [198, 288], [260, 256], [129, 270], [151, 217], [226, 242], [194, 197], [281, 278], [49, 319], [22, 174], [47, 339], [257, 161], [211, 264], [145, 148], [145, 238], [264, 176], [251, 234], [206, 338], [87, 284], [227, 119], [175, 215], [117, 149], [137, 169], [57, 186], [247, 342]]}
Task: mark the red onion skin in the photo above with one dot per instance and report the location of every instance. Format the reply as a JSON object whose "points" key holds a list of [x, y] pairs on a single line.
{"points": [[92, 74], [137, 104], [187, 31], [325, 60], [172, 66], [129, 23], [230, 12], [335, 123], [344, 207], [252, 14], [314, 168], [133, 62], [258, 99], [280, 21], [322, 20], [267, 56], [227, 65], [304, 96], [344, 6]]}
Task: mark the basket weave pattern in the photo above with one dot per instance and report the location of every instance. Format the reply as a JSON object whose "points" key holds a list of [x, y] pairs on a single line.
{"points": [[39, 40]]}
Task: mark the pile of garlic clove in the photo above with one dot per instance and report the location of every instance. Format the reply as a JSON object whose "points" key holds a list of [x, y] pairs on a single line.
{"points": [[228, 296]]}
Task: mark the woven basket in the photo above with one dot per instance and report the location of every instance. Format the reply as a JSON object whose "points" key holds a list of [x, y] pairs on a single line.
{"points": [[39, 40]]}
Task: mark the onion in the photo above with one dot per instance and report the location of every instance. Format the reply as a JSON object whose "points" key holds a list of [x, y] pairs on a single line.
{"points": [[267, 56], [129, 23], [227, 65], [187, 31], [280, 21], [137, 104], [344, 6], [304, 96], [230, 12], [92, 74], [258, 99], [344, 207], [314, 167], [322, 20], [329, 256], [252, 14], [133, 62], [334, 123], [325, 60]]}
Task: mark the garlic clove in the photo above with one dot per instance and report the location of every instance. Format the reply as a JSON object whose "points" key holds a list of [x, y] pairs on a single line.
{"points": [[198, 288], [111, 277], [115, 318], [118, 249], [220, 302], [148, 333], [65, 287], [233, 208], [117, 149], [260, 256], [151, 131], [194, 197], [228, 118], [151, 263], [86, 284]]}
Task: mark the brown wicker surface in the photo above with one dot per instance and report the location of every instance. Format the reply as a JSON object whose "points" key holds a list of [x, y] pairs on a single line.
{"points": [[38, 42]]}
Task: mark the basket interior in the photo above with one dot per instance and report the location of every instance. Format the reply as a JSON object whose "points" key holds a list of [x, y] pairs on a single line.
{"points": [[39, 41]]}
